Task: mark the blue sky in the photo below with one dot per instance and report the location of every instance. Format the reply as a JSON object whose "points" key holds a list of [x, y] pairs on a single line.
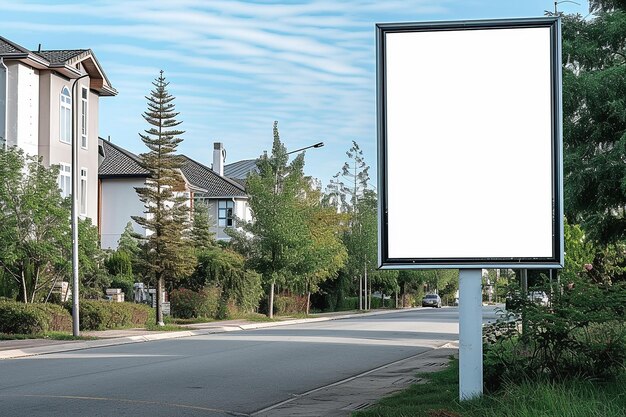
{"points": [[236, 66]]}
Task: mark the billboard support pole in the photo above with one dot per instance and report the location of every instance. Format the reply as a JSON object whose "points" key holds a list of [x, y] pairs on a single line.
{"points": [[470, 334]]}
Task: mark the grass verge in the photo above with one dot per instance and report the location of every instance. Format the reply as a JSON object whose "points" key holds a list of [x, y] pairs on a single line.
{"points": [[48, 335], [439, 398]]}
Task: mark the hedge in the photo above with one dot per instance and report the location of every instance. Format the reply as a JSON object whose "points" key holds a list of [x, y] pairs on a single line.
{"points": [[187, 304], [21, 318], [289, 304], [105, 315]]}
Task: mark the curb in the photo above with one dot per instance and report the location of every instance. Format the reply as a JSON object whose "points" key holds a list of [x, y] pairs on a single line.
{"points": [[89, 344]]}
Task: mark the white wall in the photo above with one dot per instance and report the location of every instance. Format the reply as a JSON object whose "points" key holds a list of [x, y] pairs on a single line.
{"points": [[23, 108], [241, 211], [119, 202]]}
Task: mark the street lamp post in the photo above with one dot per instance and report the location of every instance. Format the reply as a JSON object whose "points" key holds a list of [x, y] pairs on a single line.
{"points": [[75, 283], [317, 145]]}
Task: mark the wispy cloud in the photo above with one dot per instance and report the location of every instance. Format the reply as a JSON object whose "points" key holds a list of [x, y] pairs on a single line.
{"points": [[235, 65]]}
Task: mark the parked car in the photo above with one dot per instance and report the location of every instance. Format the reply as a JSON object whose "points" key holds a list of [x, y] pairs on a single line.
{"points": [[431, 300]]}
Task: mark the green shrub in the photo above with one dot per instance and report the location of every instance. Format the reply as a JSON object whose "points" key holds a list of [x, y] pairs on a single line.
{"points": [[187, 304], [105, 315], [289, 304], [24, 318], [582, 333], [348, 303], [125, 283], [119, 263]]}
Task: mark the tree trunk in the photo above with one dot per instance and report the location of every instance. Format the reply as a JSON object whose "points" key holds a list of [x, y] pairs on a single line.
{"points": [[270, 311], [360, 292], [308, 301], [24, 291], [369, 299], [396, 298], [365, 289], [159, 303]]}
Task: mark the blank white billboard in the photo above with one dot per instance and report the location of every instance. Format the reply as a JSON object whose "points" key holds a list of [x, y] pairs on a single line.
{"points": [[469, 144]]}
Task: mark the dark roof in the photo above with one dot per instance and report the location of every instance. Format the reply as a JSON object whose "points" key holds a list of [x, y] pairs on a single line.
{"points": [[8, 47], [204, 177], [118, 162], [241, 169], [60, 56]]}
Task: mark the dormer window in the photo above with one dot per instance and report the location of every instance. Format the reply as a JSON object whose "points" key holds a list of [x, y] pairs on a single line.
{"points": [[66, 116]]}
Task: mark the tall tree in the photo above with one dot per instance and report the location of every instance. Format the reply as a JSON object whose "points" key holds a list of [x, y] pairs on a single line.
{"points": [[324, 253], [168, 248], [34, 224], [278, 225], [594, 106], [349, 192]]}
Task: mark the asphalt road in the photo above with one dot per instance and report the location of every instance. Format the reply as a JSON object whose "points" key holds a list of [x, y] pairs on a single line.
{"points": [[234, 373]]}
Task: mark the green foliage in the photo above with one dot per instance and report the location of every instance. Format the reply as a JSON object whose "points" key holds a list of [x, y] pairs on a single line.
{"points": [[226, 269], [119, 263], [105, 315], [594, 107], [275, 199], [125, 283], [187, 304], [538, 398], [581, 333], [94, 277], [168, 254], [289, 304], [33, 318], [201, 235], [34, 224], [128, 241]]}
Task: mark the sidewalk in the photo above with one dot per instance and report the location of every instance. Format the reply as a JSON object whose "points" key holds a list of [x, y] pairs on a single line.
{"points": [[10, 349]]}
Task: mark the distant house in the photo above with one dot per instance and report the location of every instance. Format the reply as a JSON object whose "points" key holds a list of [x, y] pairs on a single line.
{"points": [[36, 101], [240, 170], [120, 172]]}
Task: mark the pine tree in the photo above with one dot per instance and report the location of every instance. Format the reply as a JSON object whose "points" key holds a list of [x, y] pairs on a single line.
{"points": [[168, 249], [201, 234]]}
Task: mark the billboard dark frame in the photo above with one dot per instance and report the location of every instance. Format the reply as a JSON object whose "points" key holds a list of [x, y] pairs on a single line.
{"points": [[557, 258]]}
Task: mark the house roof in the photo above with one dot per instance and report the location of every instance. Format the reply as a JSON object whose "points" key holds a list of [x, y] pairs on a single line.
{"points": [[204, 177], [8, 47], [63, 61], [117, 162], [60, 56], [241, 169]]}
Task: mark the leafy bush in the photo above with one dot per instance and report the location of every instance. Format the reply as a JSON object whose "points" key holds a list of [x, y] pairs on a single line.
{"points": [[125, 283], [187, 304], [119, 263], [105, 315], [289, 304], [348, 303], [582, 333], [33, 318]]}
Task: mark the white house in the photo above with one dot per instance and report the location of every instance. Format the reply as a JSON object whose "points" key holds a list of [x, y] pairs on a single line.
{"points": [[36, 101], [120, 172]]}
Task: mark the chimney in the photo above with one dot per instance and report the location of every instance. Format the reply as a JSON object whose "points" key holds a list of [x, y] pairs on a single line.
{"points": [[219, 156]]}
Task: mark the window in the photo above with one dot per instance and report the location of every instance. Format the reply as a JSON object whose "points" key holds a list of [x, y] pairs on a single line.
{"points": [[65, 179], [83, 191], [225, 213], [83, 117], [66, 116]]}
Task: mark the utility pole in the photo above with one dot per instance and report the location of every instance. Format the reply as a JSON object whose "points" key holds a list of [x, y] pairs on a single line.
{"points": [[75, 168]]}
